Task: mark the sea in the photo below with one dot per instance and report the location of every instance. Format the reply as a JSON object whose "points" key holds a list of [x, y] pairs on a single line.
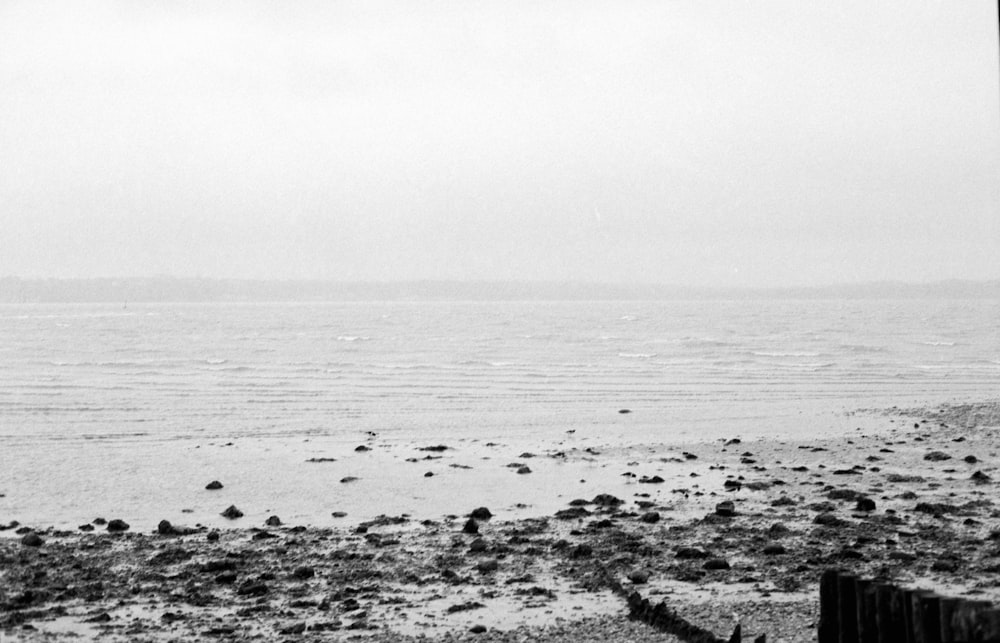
{"points": [[126, 409]]}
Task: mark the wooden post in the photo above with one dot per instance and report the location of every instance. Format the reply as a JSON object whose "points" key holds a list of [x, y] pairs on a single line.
{"points": [[963, 619], [908, 618], [948, 606], [988, 625], [867, 611], [887, 628], [926, 617], [848, 604], [829, 608]]}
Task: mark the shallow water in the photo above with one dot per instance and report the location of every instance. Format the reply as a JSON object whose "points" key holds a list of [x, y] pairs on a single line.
{"points": [[125, 411]]}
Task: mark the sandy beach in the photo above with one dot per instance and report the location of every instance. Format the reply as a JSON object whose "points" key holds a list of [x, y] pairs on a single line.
{"points": [[743, 541]]}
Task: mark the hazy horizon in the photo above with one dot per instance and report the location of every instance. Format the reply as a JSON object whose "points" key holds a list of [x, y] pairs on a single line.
{"points": [[786, 144]]}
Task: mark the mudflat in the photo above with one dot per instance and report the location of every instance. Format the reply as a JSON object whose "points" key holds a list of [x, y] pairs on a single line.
{"points": [[912, 502]]}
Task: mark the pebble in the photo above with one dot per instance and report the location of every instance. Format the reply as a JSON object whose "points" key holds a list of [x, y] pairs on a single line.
{"points": [[232, 513]]}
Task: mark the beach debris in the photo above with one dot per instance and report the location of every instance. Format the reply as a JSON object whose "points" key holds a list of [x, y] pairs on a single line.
{"points": [[624, 411], [118, 525], [31, 539], [213, 485], [347, 479], [232, 513]]}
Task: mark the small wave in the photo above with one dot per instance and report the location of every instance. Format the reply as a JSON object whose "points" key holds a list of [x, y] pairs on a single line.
{"points": [[216, 362], [789, 354], [938, 343], [352, 338], [637, 355]]}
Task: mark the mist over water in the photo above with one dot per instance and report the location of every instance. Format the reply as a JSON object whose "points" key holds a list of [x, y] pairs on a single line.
{"points": [[485, 369]]}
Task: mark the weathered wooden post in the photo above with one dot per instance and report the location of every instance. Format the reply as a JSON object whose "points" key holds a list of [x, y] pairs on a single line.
{"points": [[948, 606], [867, 611], [888, 629], [848, 607], [926, 617], [829, 608]]}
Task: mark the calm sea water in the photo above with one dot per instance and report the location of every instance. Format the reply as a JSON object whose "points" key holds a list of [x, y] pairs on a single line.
{"points": [[108, 411], [166, 371]]}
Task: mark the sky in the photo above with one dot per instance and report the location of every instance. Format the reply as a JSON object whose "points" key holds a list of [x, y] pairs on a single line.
{"points": [[759, 143]]}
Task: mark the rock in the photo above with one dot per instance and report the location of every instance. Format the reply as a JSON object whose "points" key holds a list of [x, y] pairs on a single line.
{"points": [[297, 628], [732, 485], [118, 525], [774, 550], [899, 477], [980, 478], [783, 501], [226, 578], [165, 528], [690, 553], [481, 513], [347, 479], [624, 411], [273, 521], [99, 521], [639, 576], [606, 500], [487, 566], [725, 508], [714, 564], [212, 536], [232, 513], [471, 526], [572, 513], [865, 504], [304, 572], [339, 514], [213, 485], [777, 530], [252, 588], [651, 517], [842, 494], [944, 565], [971, 459], [362, 448], [524, 469], [937, 456], [828, 519], [651, 480], [583, 550], [429, 474], [477, 629], [477, 546], [31, 539], [86, 527]]}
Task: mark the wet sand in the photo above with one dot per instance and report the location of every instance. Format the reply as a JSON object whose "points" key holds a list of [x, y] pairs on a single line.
{"points": [[724, 531]]}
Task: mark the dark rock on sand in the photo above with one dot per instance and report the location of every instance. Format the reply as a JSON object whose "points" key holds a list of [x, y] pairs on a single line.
{"points": [[573, 513], [118, 525], [99, 521], [477, 629], [651, 480], [86, 527], [31, 539], [438, 448], [252, 588], [232, 513], [865, 504], [304, 572], [971, 459], [362, 448], [607, 500], [481, 513], [639, 576], [774, 550], [650, 517], [273, 521], [164, 528], [714, 564], [488, 566], [214, 484], [690, 553], [624, 411], [226, 578], [347, 479], [583, 550], [783, 501], [478, 546], [937, 456], [828, 519], [212, 536], [842, 494], [980, 478], [524, 469], [471, 526], [725, 508]]}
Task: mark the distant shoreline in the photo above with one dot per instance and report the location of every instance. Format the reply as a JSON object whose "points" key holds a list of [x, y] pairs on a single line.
{"points": [[16, 290]]}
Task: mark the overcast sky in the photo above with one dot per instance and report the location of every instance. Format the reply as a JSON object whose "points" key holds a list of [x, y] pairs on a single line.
{"points": [[701, 142]]}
